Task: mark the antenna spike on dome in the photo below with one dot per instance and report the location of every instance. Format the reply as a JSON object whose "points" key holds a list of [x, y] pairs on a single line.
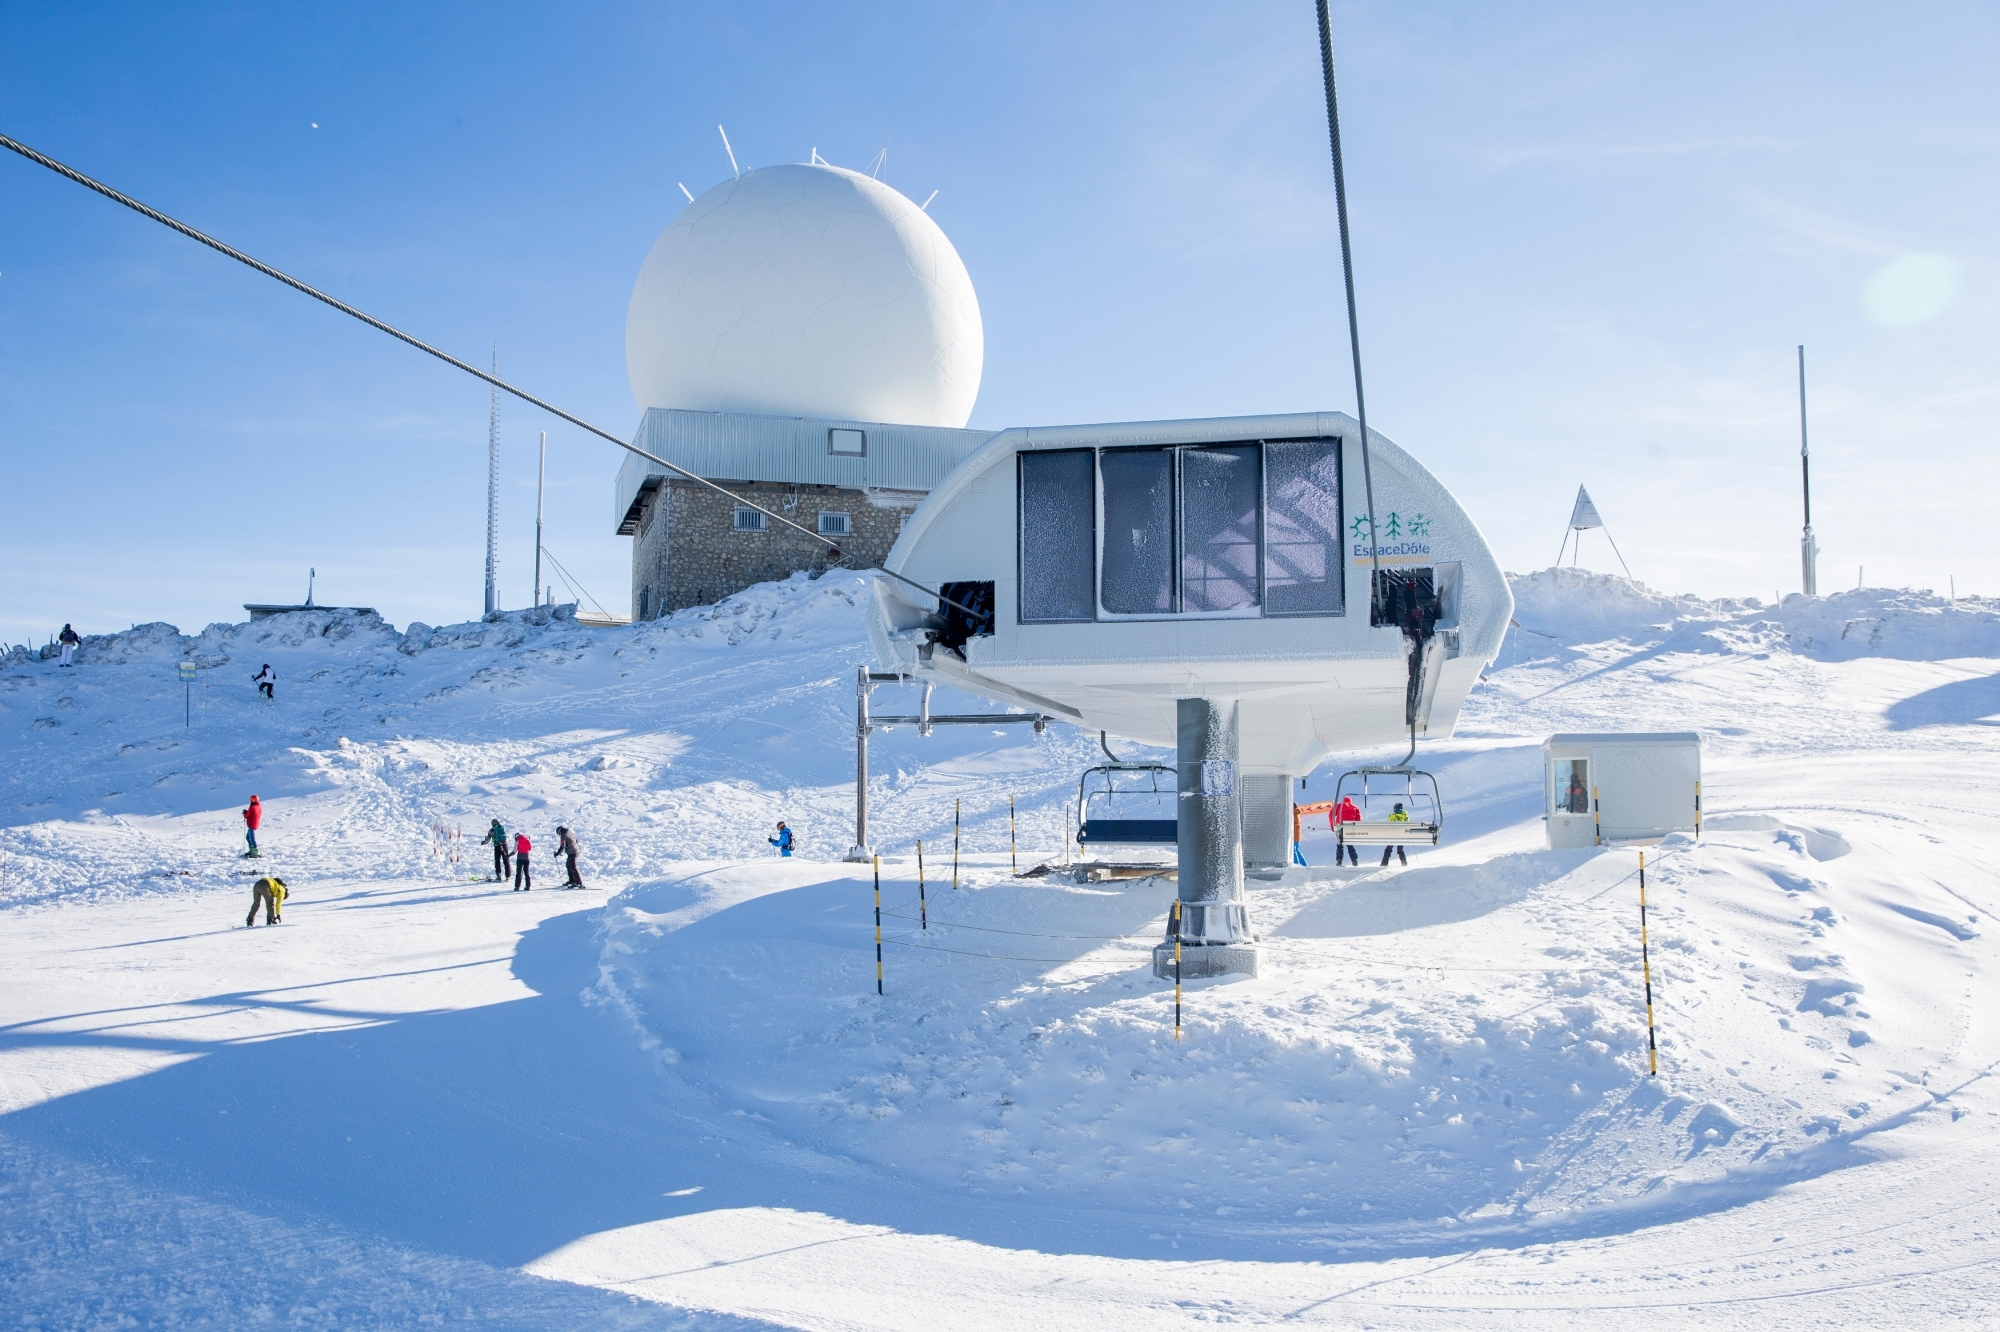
{"points": [[881, 160], [925, 206], [685, 190], [731, 151]]}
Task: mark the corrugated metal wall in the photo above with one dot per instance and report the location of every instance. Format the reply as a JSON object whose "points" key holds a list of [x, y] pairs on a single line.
{"points": [[725, 446]]}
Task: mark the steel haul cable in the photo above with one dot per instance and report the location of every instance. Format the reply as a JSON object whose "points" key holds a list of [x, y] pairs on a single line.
{"points": [[71, 173]]}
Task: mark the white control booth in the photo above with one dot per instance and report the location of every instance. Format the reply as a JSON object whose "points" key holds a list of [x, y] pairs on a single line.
{"points": [[1634, 787]]}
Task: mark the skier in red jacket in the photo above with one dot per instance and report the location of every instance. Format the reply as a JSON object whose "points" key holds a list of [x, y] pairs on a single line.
{"points": [[252, 817], [523, 882], [1348, 812]]}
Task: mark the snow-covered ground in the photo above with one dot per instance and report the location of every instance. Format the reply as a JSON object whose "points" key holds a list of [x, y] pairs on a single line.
{"points": [[675, 1099]]}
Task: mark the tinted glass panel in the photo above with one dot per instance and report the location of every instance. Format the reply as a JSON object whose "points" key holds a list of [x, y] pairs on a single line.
{"points": [[1138, 531], [1302, 569], [1219, 494], [1058, 536], [1573, 786]]}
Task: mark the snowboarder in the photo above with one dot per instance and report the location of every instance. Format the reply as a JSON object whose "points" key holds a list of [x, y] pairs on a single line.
{"points": [[523, 881], [69, 643], [503, 865], [1397, 815], [269, 893], [783, 841], [266, 680], [566, 848], [253, 818], [1348, 812]]}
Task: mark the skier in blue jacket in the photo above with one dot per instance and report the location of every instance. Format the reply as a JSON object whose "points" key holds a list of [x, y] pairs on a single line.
{"points": [[783, 841]]}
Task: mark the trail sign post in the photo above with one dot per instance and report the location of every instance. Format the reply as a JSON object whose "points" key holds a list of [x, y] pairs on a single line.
{"points": [[187, 693]]}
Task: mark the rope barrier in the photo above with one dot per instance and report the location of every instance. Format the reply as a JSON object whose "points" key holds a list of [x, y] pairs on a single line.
{"points": [[997, 957], [1026, 934], [1421, 966]]}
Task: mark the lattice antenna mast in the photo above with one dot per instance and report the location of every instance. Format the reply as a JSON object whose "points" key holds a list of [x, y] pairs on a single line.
{"points": [[493, 494]]}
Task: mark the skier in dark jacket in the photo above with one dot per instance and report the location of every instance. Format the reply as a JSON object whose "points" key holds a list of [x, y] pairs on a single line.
{"points": [[69, 643], [566, 848], [783, 841], [503, 868]]}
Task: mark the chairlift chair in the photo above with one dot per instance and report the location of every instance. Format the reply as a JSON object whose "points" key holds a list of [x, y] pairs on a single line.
{"points": [[1381, 832], [1101, 831]]}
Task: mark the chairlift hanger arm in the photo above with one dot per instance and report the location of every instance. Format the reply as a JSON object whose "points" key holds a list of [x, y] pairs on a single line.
{"points": [[70, 173]]}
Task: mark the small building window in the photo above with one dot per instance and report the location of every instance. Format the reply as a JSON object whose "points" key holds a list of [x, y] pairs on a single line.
{"points": [[749, 519], [847, 443], [835, 524]]}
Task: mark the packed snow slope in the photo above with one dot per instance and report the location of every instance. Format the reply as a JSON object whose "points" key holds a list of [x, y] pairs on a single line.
{"points": [[676, 1099]]}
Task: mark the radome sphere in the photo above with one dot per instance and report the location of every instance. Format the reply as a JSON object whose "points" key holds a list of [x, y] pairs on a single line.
{"points": [[806, 291]]}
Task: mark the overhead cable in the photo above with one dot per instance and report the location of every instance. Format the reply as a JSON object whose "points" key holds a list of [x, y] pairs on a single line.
{"points": [[71, 173]]}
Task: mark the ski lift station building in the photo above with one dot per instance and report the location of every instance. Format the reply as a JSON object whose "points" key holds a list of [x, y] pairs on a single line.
{"points": [[1202, 584]]}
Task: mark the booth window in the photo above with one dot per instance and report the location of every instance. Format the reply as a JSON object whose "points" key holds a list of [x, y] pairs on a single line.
{"points": [[1573, 786], [1058, 536], [1302, 564]]}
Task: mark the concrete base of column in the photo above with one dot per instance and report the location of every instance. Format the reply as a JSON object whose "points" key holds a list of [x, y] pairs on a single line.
{"points": [[1199, 961]]}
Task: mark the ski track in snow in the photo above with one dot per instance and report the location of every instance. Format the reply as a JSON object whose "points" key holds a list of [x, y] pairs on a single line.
{"points": [[676, 1101]]}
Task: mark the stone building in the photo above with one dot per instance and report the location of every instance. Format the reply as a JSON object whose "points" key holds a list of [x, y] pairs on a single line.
{"points": [[777, 324], [852, 481]]}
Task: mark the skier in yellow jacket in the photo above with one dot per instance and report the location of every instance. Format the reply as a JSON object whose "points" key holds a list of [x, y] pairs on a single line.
{"points": [[269, 893], [1397, 815]]}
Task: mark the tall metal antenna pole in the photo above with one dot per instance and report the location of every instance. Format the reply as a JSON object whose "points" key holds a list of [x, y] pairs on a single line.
{"points": [[1808, 547], [493, 494], [541, 479], [1347, 272]]}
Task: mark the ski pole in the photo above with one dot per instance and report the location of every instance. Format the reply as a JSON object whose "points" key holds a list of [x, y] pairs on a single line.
{"points": [[923, 907], [878, 924]]}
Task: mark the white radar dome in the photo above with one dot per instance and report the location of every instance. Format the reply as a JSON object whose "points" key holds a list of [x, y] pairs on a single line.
{"points": [[806, 291]]}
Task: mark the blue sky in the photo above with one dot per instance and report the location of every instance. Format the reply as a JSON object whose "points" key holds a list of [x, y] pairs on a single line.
{"points": [[1587, 238]]}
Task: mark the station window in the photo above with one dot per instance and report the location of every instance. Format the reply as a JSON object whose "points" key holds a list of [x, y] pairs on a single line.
{"points": [[835, 524], [749, 519], [1058, 552], [1302, 564], [1191, 529]]}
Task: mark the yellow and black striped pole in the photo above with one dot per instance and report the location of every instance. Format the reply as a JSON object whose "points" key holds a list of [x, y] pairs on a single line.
{"points": [[1596, 818], [878, 924], [1646, 962], [954, 845], [1013, 855], [1177, 968], [923, 907]]}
